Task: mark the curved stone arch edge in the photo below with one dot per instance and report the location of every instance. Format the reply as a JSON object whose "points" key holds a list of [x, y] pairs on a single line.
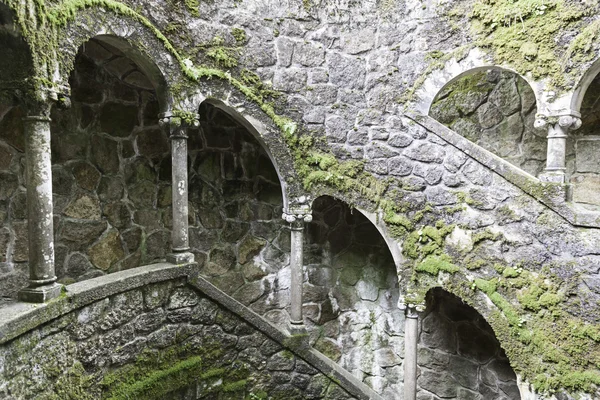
{"points": [[376, 219], [257, 130], [552, 195], [131, 38], [578, 94], [547, 101], [17, 318]]}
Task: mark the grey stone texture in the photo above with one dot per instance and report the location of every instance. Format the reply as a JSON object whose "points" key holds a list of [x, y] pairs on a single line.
{"points": [[459, 356], [73, 353], [495, 110]]}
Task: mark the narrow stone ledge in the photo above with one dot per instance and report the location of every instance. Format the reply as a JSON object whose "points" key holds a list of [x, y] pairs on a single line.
{"points": [[552, 195]]}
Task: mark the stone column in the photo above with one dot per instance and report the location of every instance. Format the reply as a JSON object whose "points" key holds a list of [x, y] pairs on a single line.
{"points": [[176, 130], [558, 130], [296, 218], [411, 338], [42, 277]]}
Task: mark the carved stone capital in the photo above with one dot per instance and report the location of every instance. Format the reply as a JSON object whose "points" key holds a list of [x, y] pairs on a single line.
{"points": [[411, 310], [570, 121], [175, 126]]}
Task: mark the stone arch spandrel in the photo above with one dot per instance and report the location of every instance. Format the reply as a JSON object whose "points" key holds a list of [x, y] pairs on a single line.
{"points": [[454, 69], [139, 42]]}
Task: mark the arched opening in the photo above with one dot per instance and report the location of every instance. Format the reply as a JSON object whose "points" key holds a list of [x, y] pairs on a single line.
{"points": [[236, 230], [583, 147], [351, 295], [496, 110], [459, 356], [16, 70], [111, 195]]}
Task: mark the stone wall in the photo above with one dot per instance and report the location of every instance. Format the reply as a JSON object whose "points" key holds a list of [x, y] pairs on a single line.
{"points": [[163, 340], [495, 110], [351, 295], [236, 230], [583, 148], [459, 356]]}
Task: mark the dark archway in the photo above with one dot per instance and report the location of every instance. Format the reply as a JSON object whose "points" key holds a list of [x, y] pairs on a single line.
{"points": [[459, 356], [111, 193], [351, 295], [496, 110], [236, 230], [583, 149]]}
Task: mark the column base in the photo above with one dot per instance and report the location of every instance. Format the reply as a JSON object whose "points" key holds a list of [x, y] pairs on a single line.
{"points": [[180, 258], [551, 176], [40, 294], [296, 327]]}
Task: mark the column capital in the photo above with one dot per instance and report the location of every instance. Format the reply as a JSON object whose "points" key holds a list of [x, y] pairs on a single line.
{"points": [[567, 121], [175, 124], [411, 310], [297, 214]]}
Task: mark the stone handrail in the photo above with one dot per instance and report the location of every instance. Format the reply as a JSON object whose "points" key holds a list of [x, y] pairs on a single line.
{"points": [[552, 195], [18, 318]]}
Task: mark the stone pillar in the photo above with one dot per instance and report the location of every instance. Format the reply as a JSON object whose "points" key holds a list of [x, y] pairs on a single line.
{"points": [[411, 338], [296, 218], [42, 277], [558, 130], [176, 130]]}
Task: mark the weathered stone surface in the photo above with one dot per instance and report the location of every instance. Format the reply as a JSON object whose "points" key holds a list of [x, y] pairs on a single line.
{"points": [[105, 154], [107, 251], [84, 207], [117, 119], [86, 176], [152, 143]]}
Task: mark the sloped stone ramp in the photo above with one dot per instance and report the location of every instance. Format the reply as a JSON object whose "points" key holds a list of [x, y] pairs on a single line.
{"points": [[158, 331]]}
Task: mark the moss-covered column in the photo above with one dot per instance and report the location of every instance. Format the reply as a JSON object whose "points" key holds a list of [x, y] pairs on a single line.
{"points": [[411, 338], [558, 130], [296, 218], [176, 129], [42, 277]]}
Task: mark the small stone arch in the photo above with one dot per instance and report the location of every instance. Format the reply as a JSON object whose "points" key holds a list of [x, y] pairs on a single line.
{"points": [[459, 354], [453, 70], [376, 219], [136, 40], [351, 295], [494, 108], [266, 136]]}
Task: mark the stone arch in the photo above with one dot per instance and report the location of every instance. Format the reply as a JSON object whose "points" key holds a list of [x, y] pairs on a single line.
{"points": [[375, 218], [583, 144], [255, 127], [459, 354], [455, 69], [136, 40], [111, 166], [496, 109], [236, 230], [351, 295]]}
